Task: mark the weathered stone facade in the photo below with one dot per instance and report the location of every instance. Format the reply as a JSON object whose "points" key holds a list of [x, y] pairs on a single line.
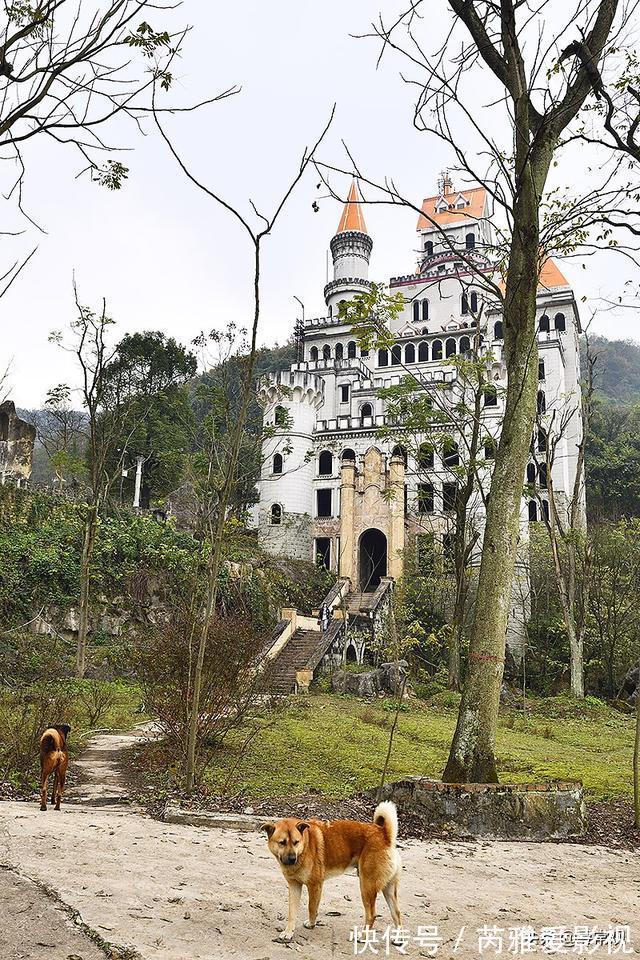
{"points": [[17, 439]]}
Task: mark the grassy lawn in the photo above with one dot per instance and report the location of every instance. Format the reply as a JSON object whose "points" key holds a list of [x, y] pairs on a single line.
{"points": [[337, 745]]}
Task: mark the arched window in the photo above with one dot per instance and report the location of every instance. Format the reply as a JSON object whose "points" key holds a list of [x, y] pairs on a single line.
{"points": [[428, 248], [425, 456], [545, 509], [436, 350], [416, 311], [542, 475], [366, 410], [348, 454], [450, 453], [277, 463], [465, 345], [542, 441], [464, 303], [474, 301], [383, 358], [326, 352], [325, 463], [313, 354], [425, 311], [544, 324], [396, 355], [489, 449], [280, 418], [276, 514], [533, 511], [450, 348], [339, 351], [423, 352], [542, 402], [560, 323], [330, 312], [351, 349], [497, 330], [410, 353], [400, 452], [470, 241], [490, 396], [531, 473]]}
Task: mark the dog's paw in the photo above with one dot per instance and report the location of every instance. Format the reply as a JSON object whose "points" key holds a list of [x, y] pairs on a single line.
{"points": [[309, 925], [285, 937], [42, 807]]}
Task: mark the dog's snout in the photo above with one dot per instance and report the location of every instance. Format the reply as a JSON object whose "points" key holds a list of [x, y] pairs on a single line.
{"points": [[289, 859]]}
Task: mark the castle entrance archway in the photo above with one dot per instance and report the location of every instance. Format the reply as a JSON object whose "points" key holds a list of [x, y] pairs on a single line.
{"points": [[372, 559]]}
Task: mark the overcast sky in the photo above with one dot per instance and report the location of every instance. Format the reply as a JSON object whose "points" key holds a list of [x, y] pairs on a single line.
{"points": [[165, 257]]}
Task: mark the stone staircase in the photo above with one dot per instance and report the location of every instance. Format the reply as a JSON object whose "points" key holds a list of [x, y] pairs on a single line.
{"points": [[364, 604], [303, 651]]}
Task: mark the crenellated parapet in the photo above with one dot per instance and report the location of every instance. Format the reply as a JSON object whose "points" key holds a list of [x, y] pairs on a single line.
{"points": [[294, 386]]}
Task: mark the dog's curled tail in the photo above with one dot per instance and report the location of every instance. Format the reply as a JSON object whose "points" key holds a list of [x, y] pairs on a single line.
{"points": [[48, 743], [386, 816]]}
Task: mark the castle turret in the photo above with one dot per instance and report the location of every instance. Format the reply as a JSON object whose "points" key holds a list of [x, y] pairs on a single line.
{"points": [[350, 249], [290, 401]]}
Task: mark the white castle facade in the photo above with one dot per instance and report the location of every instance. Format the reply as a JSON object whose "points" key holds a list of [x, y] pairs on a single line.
{"points": [[331, 489]]}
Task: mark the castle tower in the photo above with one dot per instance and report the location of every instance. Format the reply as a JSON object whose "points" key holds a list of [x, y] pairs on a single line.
{"points": [[350, 249], [291, 400]]}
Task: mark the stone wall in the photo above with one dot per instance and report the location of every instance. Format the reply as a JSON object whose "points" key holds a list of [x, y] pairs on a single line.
{"points": [[532, 811], [291, 538]]}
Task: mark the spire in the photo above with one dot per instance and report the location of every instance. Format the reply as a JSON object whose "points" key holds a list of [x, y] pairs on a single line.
{"points": [[352, 217]]}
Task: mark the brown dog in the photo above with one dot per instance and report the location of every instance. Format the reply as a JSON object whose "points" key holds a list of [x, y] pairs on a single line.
{"points": [[53, 760], [309, 851]]}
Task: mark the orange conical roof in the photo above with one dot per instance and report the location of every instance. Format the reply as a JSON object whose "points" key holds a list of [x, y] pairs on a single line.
{"points": [[352, 217]]}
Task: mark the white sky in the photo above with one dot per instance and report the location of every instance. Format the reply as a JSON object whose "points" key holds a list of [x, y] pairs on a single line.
{"points": [[165, 256]]}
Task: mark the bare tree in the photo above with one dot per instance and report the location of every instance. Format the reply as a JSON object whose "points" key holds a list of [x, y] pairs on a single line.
{"points": [[216, 522], [535, 95], [565, 520]]}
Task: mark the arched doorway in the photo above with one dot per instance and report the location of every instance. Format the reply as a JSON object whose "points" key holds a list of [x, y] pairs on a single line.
{"points": [[373, 559]]}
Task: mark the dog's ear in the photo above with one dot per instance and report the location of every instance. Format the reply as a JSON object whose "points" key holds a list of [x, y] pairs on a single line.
{"points": [[66, 729], [268, 828], [302, 827]]}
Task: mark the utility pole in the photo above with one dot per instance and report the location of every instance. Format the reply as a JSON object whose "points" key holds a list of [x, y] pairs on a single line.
{"points": [[136, 495]]}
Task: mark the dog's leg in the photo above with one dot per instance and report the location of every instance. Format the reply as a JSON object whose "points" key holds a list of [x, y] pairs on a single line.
{"points": [[295, 892], [44, 787], [61, 775], [391, 896], [54, 788], [315, 893], [368, 892]]}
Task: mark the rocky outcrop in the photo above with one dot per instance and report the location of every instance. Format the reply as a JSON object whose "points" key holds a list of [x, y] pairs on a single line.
{"points": [[630, 689], [387, 678], [17, 439]]}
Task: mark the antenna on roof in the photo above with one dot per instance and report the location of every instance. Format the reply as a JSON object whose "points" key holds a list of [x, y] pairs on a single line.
{"points": [[298, 333]]}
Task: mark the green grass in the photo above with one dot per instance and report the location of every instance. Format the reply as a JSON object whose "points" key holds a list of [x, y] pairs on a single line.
{"points": [[337, 745]]}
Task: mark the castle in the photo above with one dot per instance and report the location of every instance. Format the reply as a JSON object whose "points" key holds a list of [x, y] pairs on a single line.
{"points": [[331, 489]]}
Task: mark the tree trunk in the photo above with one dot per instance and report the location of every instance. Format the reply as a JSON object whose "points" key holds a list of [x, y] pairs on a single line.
{"points": [[472, 753], [88, 545], [636, 764]]}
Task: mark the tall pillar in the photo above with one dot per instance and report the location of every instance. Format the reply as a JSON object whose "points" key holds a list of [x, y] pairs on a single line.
{"points": [[347, 512], [396, 517]]}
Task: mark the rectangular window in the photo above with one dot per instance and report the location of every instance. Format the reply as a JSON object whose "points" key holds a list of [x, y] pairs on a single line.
{"points": [[425, 553], [449, 496], [324, 502], [323, 552], [540, 369], [448, 548], [344, 393], [425, 498]]}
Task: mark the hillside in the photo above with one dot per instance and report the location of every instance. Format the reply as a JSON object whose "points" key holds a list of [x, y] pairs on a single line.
{"points": [[617, 368]]}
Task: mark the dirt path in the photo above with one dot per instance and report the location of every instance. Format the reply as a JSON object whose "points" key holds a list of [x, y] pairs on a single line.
{"points": [[96, 776], [181, 893]]}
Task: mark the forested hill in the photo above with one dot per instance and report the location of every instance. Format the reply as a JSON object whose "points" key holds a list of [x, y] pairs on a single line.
{"points": [[617, 368]]}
